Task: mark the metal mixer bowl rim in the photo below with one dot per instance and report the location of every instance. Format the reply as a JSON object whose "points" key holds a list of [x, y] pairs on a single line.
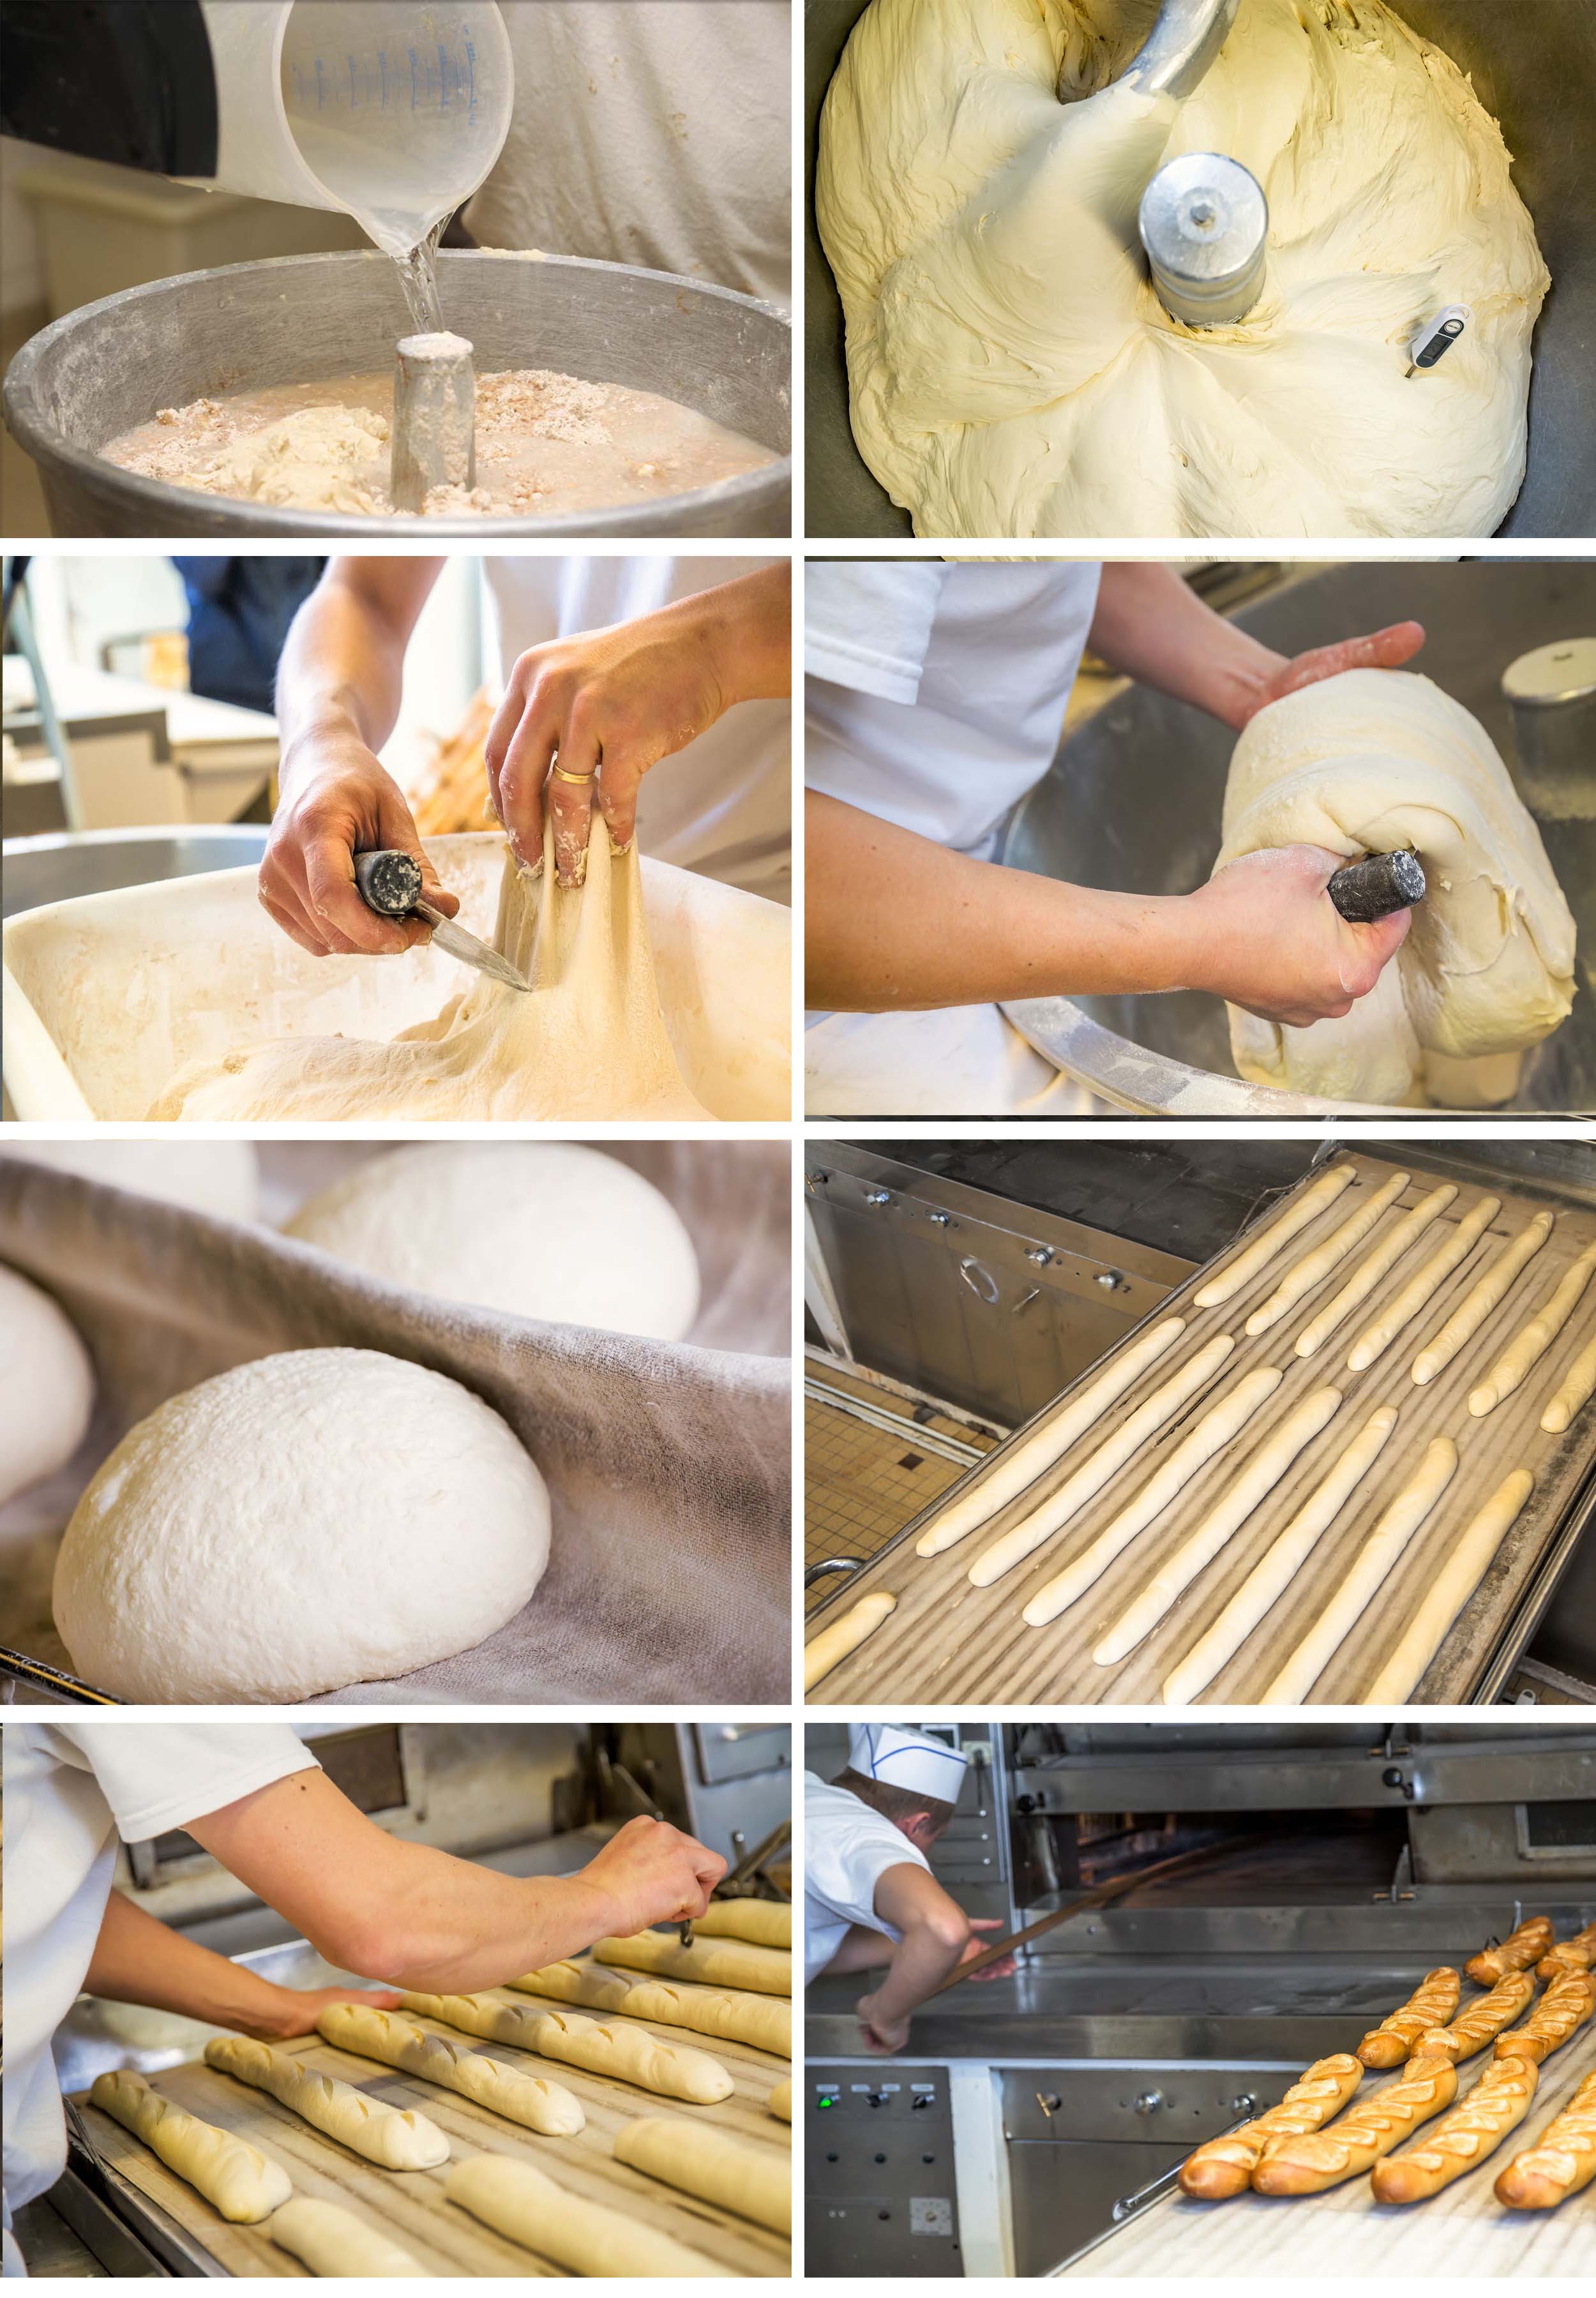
{"points": [[44, 444]]}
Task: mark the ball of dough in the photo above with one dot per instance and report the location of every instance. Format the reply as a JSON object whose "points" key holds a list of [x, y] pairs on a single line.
{"points": [[545, 1229], [318, 1518], [47, 1385], [204, 1177]]}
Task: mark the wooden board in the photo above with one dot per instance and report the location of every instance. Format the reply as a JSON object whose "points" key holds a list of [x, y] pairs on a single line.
{"points": [[411, 2205], [952, 1644], [1461, 2233]]}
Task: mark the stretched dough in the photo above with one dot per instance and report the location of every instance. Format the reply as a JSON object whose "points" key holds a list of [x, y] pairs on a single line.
{"points": [[574, 1982], [834, 1644], [1273, 1574], [1375, 1339], [530, 2100], [759, 2020], [1460, 1573], [1013, 1546], [587, 2239], [1526, 1348], [755, 2182], [630, 2054], [336, 2243], [1374, 1564], [780, 2101], [397, 2139], [1462, 2139], [971, 1506], [761, 1922], [718, 1962], [1481, 1299], [480, 2015], [236, 2179], [1368, 1273], [1259, 1478], [1314, 1267], [1314, 1200], [1576, 1391], [1213, 1433]]}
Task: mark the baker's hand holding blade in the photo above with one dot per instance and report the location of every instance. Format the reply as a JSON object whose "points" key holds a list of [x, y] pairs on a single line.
{"points": [[655, 1874]]}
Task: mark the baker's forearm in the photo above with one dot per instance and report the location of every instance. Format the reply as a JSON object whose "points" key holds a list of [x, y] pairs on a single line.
{"points": [[138, 1960], [748, 623], [341, 670], [862, 1949], [923, 1959], [1151, 625]]}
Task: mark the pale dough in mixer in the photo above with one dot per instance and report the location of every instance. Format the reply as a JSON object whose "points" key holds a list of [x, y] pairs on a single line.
{"points": [[1363, 763], [588, 1041], [1011, 368]]}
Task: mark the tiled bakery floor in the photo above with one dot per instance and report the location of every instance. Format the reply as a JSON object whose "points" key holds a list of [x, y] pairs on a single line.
{"points": [[863, 1484]]}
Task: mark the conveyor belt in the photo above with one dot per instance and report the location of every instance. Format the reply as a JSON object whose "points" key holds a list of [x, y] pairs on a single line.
{"points": [[950, 1643], [411, 2205]]}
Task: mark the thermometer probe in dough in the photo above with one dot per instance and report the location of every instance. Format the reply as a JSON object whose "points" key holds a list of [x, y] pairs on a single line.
{"points": [[390, 883], [1436, 337], [1365, 891]]}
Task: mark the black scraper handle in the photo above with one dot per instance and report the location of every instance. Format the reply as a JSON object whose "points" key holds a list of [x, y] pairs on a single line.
{"points": [[390, 881], [1364, 892]]}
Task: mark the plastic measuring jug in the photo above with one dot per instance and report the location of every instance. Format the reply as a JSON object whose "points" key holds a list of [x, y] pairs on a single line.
{"points": [[392, 110]]}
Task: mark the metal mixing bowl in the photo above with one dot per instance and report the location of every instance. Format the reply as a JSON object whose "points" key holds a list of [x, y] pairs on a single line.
{"points": [[64, 863], [95, 373], [1534, 66], [1132, 803]]}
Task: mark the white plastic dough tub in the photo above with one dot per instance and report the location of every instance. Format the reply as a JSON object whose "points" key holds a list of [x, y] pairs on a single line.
{"points": [[109, 995]]}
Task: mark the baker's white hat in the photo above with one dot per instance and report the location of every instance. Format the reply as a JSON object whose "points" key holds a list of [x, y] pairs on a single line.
{"points": [[907, 1759]]}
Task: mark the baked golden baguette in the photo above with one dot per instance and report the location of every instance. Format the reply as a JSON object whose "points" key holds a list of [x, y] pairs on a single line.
{"points": [[1309, 2165], [1480, 2023], [1525, 1946], [1430, 2005], [1498, 2104], [1576, 1953], [1561, 2161], [1562, 2011], [1224, 2166]]}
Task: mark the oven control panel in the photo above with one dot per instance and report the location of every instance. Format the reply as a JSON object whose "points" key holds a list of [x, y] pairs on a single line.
{"points": [[878, 2151]]}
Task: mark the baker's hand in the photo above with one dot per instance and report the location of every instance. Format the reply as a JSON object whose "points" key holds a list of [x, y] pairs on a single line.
{"points": [[298, 2008], [1004, 1968], [1266, 935], [881, 2037], [654, 1874], [1385, 649], [338, 801]]}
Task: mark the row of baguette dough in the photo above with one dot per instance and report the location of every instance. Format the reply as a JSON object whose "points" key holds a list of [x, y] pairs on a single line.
{"points": [[1467, 1562]]}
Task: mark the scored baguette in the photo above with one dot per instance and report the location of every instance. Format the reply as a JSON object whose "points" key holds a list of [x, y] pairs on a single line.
{"points": [[1480, 2023], [1224, 2166], [1522, 1947], [1562, 2161], [1430, 2005], [1576, 1953], [1319, 2159], [1562, 2011], [1498, 2104]]}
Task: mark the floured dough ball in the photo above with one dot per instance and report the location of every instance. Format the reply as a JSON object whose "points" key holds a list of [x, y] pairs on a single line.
{"points": [[323, 1518], [546, 1229], [203, 1177], [47, 1385]]}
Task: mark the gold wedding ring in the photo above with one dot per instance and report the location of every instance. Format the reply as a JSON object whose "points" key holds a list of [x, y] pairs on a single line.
{"points": [[575, 778]]}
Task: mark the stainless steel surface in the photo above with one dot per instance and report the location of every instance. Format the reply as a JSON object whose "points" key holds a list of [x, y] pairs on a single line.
{"points": [[1205, 225], [64, 863], [859, 1407], [1178, 50], [94, 374], [1134, 799], [1534, 68]]}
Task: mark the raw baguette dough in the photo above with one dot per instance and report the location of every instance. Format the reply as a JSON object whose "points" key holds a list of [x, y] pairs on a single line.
{"points": [[1431, 2004], [972, 1506], [1369, 1273], [396, 2139], [1222, 2167], [759, 2020], [754, 2182], [780, 2101], [1013, 1546], [1011, 369], [587, 2238], [334, 2243], [761, 1922], [574, 1982], [1314, 1267], [1481, 1299], [1479, 2023], [1275, 1569], [1365, 763], [1376, 1560], [1516, 1952], [1559, 2014], [1463, 1567], [1375, 1339], [1579, 1387], [834, 1644], [530, 2100], [717, 1963], [1561, 2163], [1576, 1953], [1271, 1460], [588, 1041], [1213, 1433], [1526, 1348], [1372, 2127], [1314, 1200], [236, 2179], [480, 2015], [1461, 2139], [629, 2055]]}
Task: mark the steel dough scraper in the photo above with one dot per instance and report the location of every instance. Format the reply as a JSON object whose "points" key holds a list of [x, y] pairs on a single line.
{"points": [[390, 883]]}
